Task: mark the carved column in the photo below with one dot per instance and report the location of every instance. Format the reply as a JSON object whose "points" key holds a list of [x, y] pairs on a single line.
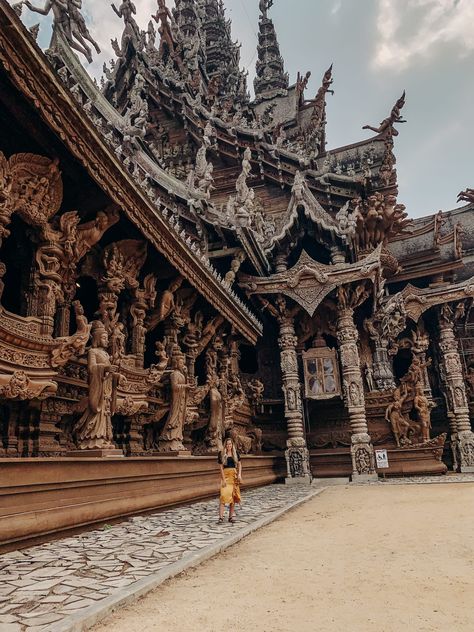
{"points": [[382, 367], [297, 454], [362, 451], [456, 395]]}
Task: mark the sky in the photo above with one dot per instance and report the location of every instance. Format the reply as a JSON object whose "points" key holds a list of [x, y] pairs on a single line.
{"points": [[379, 48]]}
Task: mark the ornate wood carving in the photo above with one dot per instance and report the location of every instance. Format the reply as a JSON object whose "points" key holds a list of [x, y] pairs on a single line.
{"points": [[309, 282]]}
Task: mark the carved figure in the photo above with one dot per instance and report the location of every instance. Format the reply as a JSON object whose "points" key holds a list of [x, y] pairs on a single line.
{"points": [[72, 346], [79, 28], [397, 420], [256, 389], [414, 375], [94, 428], [369, 377], [242, 443], [423, 409], [68, 20], [167, 43], [215, 430], [166, 304], [157, 370], [89, 233], [171, 438], [466, 196], [264, 6], [117, 340], [387, 125]]}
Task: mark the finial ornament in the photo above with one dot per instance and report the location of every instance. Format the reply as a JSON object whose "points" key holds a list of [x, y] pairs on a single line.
{"points": [[264, 6], [387, 125]]}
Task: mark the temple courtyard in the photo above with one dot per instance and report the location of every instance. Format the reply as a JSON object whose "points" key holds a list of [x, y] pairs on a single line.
{"points": [[381, 558], [388, 556]]}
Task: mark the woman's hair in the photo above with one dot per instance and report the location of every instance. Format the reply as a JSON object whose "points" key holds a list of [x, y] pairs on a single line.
{"points": [[224, 452]]}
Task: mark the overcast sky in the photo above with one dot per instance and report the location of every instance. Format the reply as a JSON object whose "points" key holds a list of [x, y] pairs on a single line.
{"points": [[379, 48]]}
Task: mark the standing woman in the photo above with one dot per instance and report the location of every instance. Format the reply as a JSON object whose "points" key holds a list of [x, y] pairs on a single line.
{"points": [[231, 477]]}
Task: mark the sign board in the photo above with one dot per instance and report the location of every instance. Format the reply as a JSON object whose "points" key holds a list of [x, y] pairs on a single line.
{"points": [[381, 457]]}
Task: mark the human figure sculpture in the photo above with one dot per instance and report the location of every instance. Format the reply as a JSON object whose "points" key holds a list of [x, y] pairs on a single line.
{"points": [[215, 430], [166, 304], [157, 370], [89, 233], [414, 375], [387, 125], [171, 439], [126, 11], [79, 28], [423, 409], [117, 340], [68, 20], [94, 428], [164, 29], [264, 5], [397, 420], [369, 377]]}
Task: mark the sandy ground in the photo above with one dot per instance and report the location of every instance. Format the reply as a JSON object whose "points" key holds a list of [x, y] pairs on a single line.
{"points": [[361, 559]]}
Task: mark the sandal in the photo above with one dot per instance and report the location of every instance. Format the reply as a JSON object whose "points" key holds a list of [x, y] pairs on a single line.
{"points": [[220, 521], [232, 519]]}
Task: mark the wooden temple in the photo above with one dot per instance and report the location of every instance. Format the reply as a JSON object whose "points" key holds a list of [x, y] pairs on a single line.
{"points": [[181, 262]]}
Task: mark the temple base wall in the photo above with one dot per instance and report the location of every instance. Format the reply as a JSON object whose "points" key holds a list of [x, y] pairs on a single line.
{"points": [[402, 462], [41, 497]]}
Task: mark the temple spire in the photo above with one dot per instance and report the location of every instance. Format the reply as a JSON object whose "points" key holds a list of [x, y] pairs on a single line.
{"points": [[271, 79], [222, 53]]}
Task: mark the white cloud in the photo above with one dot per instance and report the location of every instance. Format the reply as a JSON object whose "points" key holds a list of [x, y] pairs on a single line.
{"points": [[410, 28]]}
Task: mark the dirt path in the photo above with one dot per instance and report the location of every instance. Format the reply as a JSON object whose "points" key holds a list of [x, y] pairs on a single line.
{"points": [[361, 559]]}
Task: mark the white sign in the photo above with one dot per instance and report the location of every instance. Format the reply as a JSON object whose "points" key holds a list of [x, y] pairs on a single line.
{"points": [[381, 457]]}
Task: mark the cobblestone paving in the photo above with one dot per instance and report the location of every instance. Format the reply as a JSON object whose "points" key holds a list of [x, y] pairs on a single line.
{"points": [[46, 584]]}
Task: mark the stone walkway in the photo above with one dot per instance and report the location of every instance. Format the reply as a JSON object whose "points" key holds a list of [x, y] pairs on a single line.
{"points": [[70, 584], [451, 477]]}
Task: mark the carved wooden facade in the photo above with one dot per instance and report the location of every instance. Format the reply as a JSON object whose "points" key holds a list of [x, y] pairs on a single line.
{"points": [[179, 262]]}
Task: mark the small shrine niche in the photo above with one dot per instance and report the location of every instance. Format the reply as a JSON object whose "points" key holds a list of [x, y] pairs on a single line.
{"points": [[321, 372]]}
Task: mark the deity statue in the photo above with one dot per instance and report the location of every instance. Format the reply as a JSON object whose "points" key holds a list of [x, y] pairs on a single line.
{"points": [[171, 438], [215, 430], [94, 428], [423, 408], [369, 377], [166, 304], [117, 340], [397, 420]]}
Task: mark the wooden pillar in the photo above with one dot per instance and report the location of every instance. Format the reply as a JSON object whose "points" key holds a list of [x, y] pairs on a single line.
{"points": [[297, 455], [463, 438], [362, 451]]}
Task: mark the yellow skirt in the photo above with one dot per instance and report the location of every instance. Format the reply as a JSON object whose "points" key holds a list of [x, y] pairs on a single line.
{"points": [[230, 494]]}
